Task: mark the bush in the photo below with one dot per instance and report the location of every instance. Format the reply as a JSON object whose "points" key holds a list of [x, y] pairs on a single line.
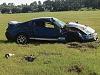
{"points": [[26, 9], [16, 10], [87, 9]]}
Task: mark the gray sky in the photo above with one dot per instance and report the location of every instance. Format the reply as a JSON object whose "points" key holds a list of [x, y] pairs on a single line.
{"points": [[18, 2]]}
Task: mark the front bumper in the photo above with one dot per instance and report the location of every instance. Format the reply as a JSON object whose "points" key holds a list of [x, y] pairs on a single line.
{"points": [[90, 37], [93, 37]]}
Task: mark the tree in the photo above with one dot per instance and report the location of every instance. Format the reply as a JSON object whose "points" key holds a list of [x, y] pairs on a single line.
{"points": [[40, 7], [48, 5], [5, 10], [26, 9], [16, 10], [34, 6], [4, 4]]}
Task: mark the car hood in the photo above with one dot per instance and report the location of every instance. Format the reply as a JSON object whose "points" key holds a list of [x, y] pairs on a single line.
{"points": [[89, 30], [84, 28]]}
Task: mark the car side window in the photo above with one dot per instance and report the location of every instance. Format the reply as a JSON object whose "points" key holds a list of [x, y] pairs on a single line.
{"points": [[38, 23], [41, 23], [49, 25]]}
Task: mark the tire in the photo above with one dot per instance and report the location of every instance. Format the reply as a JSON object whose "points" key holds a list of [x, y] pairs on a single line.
{"points": [[21, 39], [77, 37], [73, 37]]}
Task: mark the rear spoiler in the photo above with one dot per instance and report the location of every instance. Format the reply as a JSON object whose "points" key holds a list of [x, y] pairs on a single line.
{"points": [[14, 22]]}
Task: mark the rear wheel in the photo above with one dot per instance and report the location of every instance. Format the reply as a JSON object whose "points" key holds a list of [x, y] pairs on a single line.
{"points": [[21, 39]]}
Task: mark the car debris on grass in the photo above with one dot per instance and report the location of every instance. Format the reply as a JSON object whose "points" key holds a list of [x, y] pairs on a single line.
{"points": [[8, 55], [30, 58], [84, 46]]}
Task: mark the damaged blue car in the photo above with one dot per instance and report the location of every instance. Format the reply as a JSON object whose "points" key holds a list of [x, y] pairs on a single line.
{"points": [[48, 28]]}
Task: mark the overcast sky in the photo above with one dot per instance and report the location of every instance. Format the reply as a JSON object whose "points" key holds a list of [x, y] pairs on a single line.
{"points": [[18, 2]]}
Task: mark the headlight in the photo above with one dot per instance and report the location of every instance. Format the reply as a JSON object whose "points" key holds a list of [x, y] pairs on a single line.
{"points": [[95, 36]]}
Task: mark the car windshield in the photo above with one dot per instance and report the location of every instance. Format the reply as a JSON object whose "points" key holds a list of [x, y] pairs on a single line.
{"points": [[59, 23]]}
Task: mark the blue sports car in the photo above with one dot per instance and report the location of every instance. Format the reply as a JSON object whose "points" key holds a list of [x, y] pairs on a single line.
{"points": [[48, 28]]}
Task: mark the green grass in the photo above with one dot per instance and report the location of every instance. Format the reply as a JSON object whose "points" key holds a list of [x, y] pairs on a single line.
{"points": [[58, 56]]}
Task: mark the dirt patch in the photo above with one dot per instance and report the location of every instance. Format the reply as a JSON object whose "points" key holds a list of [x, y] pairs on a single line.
{"points": [[30, 58], [93, 73], [79, 69], [47, 62], [84, 46]]}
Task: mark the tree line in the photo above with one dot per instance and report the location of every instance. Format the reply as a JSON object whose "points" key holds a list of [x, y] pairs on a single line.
{"points": [[50, 5]]}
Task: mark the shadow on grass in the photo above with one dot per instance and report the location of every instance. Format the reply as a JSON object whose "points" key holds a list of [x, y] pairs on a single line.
{"points": [[5, 42], [34, 42], [38, 42]]}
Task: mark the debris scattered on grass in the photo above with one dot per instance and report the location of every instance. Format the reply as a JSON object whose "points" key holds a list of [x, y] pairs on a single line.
{"points": [[47, 62], [48, 53], [93, 73], [79, 69], [30, 58], [76, 68], [8, 55], [84, 46]]}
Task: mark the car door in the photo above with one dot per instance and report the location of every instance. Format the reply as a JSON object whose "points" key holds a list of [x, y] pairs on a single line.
{"points": [[47, 30]]}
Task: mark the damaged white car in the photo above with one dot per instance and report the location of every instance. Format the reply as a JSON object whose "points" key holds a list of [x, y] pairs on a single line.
{"points": [[85, 32]]}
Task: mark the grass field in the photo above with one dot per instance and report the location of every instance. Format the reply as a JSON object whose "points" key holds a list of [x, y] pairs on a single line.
{"points": [[54, 58]]}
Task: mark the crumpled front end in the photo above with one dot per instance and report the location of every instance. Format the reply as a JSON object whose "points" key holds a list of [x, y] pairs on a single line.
{"points": [[90, 37]]}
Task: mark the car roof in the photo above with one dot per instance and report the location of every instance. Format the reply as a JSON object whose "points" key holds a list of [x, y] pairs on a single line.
{"points": [[43, 18], [48, 19]]}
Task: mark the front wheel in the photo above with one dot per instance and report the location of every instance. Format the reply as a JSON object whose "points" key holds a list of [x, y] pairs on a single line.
{"points": [[21, 39]]}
